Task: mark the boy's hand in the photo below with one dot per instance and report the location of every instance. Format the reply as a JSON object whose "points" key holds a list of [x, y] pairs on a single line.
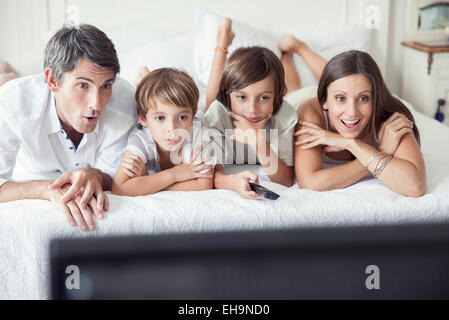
{"points": [[193, 169], [133, 166]]}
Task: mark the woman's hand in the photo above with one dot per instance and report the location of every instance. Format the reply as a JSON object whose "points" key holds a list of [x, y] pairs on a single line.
{"points": [[392, 131], [245, 131], [194, 168], [241, 185], [133, 166], [331, 141]]}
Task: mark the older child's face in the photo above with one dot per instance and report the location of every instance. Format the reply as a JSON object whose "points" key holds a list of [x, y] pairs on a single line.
{"points": [[254, 102], [350, 105], [168, 124]]}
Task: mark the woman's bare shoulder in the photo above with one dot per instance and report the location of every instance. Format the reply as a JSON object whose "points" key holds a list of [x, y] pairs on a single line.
{"points": [[310, 110]]}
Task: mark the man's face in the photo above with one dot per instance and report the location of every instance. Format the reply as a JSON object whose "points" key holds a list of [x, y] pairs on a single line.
{"points": [[82, 95]]}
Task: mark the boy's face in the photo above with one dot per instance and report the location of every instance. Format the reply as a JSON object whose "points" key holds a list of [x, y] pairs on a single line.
{"points": [[82, 95], [169, 124], [254, 102]]}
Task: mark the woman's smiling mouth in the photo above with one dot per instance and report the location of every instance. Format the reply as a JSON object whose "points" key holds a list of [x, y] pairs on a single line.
{"points": [[350, 124]]}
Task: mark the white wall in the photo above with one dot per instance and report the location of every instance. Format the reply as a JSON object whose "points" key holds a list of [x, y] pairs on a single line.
{"points": [[25, 25], [397, 32], [23, 33]]}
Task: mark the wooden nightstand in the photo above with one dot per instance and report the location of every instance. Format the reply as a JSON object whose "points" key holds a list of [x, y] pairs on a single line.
{"points": [[426, 76]]}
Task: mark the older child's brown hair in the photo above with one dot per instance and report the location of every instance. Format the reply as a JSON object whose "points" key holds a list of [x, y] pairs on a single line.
{"points": [[167, 85], [249, 65]]}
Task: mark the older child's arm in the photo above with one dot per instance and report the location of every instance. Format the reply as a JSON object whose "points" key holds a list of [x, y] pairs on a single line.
{"points": [[224, 40], [274, 167], [237, 182], [251, 134]]}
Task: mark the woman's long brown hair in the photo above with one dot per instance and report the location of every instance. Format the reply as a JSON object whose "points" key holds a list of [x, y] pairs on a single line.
{"points": [[359, 62]]}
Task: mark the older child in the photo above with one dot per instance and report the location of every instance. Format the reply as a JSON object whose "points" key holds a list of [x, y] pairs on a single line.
{"points": [[249, 88], [160, 155]]}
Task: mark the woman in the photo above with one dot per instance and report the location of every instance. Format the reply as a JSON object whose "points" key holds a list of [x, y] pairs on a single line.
{"points": [[358, 124]]}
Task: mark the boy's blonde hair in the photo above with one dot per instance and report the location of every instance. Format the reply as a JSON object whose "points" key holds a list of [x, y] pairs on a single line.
{"points": [[168, 85]]}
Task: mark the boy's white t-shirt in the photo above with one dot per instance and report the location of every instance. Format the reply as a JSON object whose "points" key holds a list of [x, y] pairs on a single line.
{"points": [[142, 144]]}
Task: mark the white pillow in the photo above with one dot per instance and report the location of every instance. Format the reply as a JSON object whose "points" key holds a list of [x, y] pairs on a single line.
{"points": [[326, 41], [205, 40], [127, 38], [176, 52]]}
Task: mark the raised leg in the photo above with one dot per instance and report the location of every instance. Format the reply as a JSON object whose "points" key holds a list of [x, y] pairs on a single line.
{"points": [[225, 35]]}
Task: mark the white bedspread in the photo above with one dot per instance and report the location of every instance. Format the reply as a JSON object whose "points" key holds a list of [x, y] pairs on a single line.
{"points": [[27, 226]]}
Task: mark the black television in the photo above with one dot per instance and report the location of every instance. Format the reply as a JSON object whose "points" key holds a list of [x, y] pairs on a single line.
{"points": [[377, 262]]}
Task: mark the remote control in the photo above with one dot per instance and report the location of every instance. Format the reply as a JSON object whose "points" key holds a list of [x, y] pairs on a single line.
{"points": [[264, 192]]}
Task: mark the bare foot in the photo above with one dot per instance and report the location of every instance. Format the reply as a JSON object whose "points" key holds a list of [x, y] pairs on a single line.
{"points": [[290, 44], [225, 35], [5, 67], [5, 77], [141, 73]]}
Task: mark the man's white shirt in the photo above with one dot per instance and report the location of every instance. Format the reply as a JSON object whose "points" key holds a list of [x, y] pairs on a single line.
{"points": [[31, 133]]}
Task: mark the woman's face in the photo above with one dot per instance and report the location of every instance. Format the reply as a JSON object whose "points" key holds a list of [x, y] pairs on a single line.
{"points": [[350, 105], [254, 102]]}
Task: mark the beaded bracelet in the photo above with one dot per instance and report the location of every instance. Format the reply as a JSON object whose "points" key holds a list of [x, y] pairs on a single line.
{"points": [[379, 161], [224, 50], [372, 158], [380, 167]]}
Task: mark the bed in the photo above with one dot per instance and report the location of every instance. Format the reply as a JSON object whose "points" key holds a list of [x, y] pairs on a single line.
{"points": [[27, 226]]}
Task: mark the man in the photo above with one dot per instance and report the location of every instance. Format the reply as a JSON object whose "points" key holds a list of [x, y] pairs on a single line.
{"points": [[74, 119]]}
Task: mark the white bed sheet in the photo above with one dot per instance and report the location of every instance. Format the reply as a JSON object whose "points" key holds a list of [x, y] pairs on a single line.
{"points": [[27, 226]]}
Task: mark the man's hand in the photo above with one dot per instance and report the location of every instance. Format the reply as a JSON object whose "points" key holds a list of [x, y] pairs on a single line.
{"points": [[74, 212], [85, 183]]}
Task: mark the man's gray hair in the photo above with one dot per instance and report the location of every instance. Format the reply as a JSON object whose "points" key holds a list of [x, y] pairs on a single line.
{"points": [[71, 43]]}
